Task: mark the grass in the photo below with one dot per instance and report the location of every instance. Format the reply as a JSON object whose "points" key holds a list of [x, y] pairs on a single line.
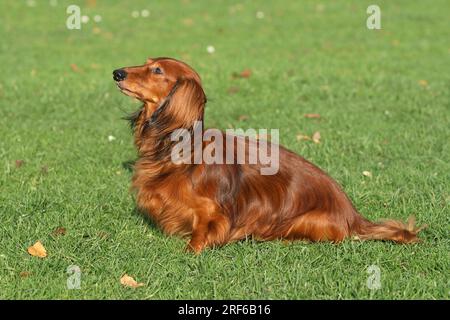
{"points": [[383, 96]]}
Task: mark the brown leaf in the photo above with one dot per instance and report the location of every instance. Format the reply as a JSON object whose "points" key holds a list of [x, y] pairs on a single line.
{"points": [[233, 90], [128, 281], [75, 68], [59, 231], [24, 274], [316, 137], [19, 163], [301, 137], [312, 115], [246, 73], [243, 117], [37, 250]]}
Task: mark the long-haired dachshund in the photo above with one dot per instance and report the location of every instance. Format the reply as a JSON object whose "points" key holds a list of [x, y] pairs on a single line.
{"points": [[218, 203]]}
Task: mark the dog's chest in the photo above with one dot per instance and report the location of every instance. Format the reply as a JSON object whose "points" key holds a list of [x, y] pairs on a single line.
{"points": [[166, 203]]}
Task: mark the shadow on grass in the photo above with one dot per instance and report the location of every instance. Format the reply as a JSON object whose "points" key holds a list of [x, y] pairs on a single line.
{"points": [[137, 212]]}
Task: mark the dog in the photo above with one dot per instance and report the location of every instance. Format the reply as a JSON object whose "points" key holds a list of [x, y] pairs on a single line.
{"points": [[215, 204]]}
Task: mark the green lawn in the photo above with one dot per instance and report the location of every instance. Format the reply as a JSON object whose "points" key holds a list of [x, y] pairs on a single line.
{"points": [[384, 98]]}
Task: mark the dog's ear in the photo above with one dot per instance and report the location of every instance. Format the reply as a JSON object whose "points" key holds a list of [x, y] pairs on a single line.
{"points": [[149, 60], [183, 106]]}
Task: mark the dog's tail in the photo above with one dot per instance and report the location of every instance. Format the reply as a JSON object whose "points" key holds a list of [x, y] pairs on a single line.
{"points": [[393, 230]]}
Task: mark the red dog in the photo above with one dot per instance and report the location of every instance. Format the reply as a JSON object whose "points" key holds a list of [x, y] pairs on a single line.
{"points": [[219, 203]]}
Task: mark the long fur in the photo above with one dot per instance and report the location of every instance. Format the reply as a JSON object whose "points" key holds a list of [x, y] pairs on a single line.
{"points": [[219, 203]]}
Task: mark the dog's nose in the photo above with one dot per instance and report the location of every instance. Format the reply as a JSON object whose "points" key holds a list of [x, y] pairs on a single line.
{"points": [[119, 74]]}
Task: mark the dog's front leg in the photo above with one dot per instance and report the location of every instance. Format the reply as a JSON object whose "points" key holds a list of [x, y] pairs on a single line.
{"points": [[208, 230]]}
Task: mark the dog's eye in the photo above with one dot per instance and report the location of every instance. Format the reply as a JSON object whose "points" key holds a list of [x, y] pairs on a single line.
{"points": [[157, 70]]}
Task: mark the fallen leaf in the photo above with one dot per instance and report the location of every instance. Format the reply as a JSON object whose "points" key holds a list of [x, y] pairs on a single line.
{"points": [[37, 250], [246, 73], [233, 90], [367, 174], [316, 137], [128, 281], [243, 117], [423, 83], [19, 163], [59, 231], [301, 137], [24, 274], [312, 115], [74, 67]]}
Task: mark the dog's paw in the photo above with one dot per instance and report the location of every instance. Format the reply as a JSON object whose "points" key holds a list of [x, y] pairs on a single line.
{"points": [[194, 247]]}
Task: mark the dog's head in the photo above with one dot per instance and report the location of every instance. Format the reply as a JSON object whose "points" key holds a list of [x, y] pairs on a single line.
{"points": [[152, 82], [171, 92]]}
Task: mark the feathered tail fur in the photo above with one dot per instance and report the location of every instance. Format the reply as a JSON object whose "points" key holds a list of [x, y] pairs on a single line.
{"points": [[393, 230]]}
